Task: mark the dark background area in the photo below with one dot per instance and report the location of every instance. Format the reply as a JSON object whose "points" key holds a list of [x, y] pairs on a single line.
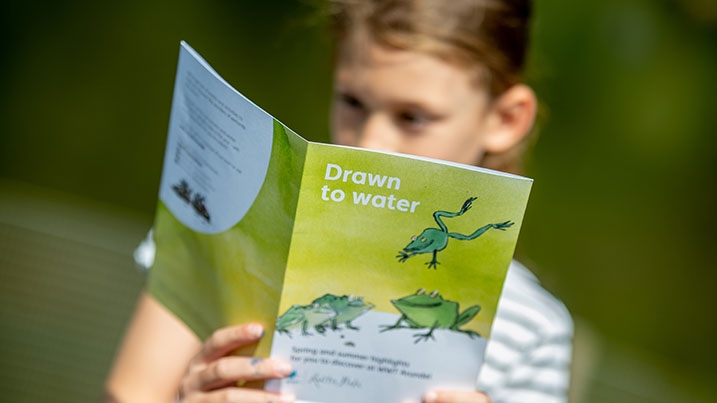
{"points": [[620, 225]]}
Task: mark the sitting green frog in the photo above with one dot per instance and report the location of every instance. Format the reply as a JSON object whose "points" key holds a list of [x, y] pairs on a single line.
{"points": [[435, 239], [347, 308], [305, 316], [328, 310], [431, 311]]}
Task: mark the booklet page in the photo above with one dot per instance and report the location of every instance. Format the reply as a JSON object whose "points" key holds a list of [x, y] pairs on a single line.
{"points": [[376, 275], [394, 275]]}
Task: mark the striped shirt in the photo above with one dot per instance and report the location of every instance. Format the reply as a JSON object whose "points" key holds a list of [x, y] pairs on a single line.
{"points": [[528, 356], [529, 352]]}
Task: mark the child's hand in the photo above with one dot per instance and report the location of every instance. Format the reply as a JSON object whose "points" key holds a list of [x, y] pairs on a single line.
{"points": [[213, 374], [453, 396]]}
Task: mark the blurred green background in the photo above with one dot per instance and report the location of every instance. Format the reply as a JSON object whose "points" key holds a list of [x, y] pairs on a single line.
{"points": [[621, 223]]}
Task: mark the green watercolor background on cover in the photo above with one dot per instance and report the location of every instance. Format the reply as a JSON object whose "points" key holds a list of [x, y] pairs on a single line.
{"points": [[215, 280], [343, 248]]}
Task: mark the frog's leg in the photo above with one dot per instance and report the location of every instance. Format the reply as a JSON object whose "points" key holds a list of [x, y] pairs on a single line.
{"points": [[438, 214], [397, 325], [465, 317], [480, 231], [470, 333], [426, 336], [434, 261], [350, 326], [334, 325], [322, 326], [402, 255], [304, 328]]}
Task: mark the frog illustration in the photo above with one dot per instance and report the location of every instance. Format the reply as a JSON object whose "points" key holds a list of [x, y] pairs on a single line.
{"points": [[305, 317], [347, 308], [434, 240], [431, 311]]}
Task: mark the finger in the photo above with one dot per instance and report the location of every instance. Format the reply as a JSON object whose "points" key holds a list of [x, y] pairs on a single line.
{"points": [[224, 340], [239, 395], [455, 396], [228, 370]]}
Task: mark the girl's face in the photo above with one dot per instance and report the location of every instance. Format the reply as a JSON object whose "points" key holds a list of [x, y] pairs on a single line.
{"points": [[408, 102]]}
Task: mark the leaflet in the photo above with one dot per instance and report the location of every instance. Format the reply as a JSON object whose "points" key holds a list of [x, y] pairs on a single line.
{"points": [[377, 275]]}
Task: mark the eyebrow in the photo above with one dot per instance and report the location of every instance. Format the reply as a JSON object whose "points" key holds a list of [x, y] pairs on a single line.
{"points": [[394, 103], [430, 109]]}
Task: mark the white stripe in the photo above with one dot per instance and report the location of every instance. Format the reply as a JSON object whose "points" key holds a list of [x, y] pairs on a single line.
{"points": [[528, 356]]}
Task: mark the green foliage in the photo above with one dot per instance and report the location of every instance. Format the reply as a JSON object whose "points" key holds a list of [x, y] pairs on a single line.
{"points": [[626, 154]]}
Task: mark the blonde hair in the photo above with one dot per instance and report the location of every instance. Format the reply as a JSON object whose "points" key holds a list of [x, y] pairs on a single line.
{"points": [[489, 37]]}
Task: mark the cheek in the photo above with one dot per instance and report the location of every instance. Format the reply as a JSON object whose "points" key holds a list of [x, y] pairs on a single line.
{"points": [[346, 125], [456, 143], [468, 140], [340, 134], [342, 138]]}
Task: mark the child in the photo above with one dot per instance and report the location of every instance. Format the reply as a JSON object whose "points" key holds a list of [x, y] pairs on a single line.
{"points": [[434, 78]]}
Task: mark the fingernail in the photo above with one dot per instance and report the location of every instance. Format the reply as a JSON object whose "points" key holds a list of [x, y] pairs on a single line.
{"points": [[287, 398], [256, 330], [430, 397], [283, 368]]}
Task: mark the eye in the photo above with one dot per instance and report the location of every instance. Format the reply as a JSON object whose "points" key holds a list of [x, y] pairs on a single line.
{"points": [[433, 293], [350, 101], [414, 120], [423, 239], [413, 238], [421, 291]]}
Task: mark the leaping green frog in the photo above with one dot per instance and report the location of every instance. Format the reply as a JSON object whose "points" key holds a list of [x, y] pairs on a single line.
{"points": [[435, 239], [431, 311], [347, 308]]}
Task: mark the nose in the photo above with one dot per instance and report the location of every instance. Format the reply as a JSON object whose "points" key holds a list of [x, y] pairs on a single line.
{"points": [[378, 133]]}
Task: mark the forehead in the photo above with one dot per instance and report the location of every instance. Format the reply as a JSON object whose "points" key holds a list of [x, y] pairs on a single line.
{"points": [[368, 67]]}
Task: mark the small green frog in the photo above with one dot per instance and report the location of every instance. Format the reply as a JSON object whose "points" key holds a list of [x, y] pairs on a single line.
{"points": [[431, 311], [347, 308], [433, 240], [305, 316]]}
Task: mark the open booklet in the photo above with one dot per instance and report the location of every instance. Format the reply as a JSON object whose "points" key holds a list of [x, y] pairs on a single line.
{"points": [[377, 275]]}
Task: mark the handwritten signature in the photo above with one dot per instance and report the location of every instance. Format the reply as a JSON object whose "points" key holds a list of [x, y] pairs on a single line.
{"points": [[319, 380]]}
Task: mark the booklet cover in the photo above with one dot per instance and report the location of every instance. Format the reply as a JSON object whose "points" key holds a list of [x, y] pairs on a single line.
{"points": [[377, 275]]}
